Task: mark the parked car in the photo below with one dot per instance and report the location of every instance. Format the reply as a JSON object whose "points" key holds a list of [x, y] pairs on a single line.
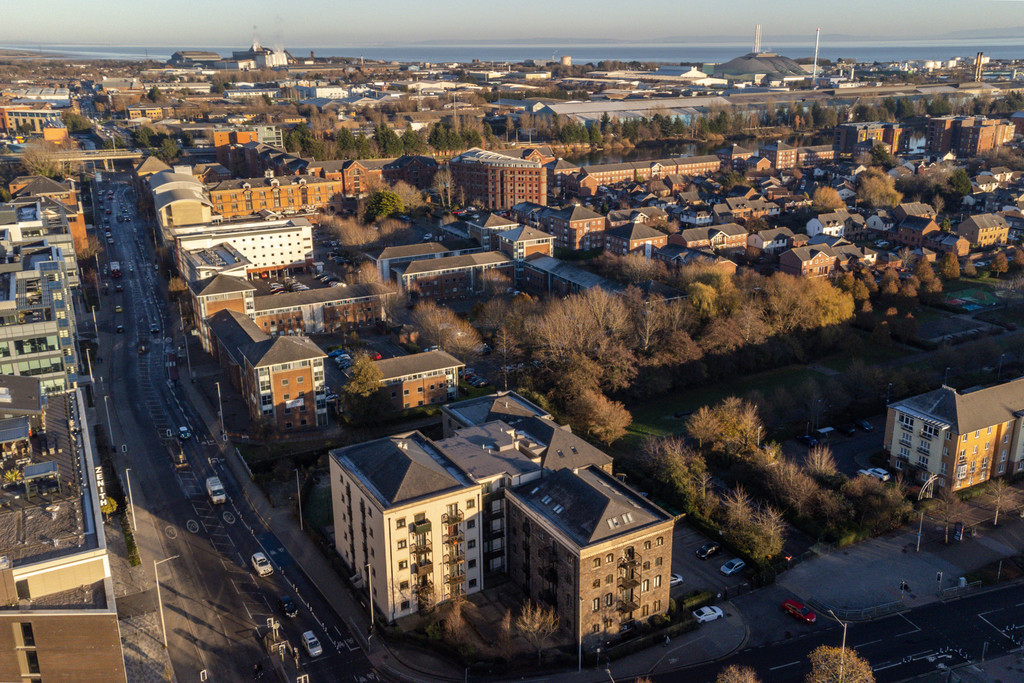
{"points": [[865, 425], [676, 580], [311, 644], [807, 439], [799, 611], [846, 429], [376, 355], [337, 352], [261, 564], [708, 549], [733, 566], [708, 613], [876, 472], [184, 434], [287, 606]]}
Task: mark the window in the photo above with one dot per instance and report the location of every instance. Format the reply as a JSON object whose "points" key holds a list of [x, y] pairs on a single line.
{"points": [[660, 541], [472, 564], [401, 545], [610, 558], [471, 524], [647, 545], [597, 604], [608, 579], [405, 605], [657, 561], [657, 581], [471, 503], [647, 565], [470, 544], [989, 431], [597, 562], [608, 599], [657, 605], [28, 638], [403, 585], [404, 564], [905, 420], [597, 583], [472, 583], [646, 585]]}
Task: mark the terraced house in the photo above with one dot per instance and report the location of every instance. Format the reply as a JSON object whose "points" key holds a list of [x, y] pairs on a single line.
{"points": [[959, 438]]}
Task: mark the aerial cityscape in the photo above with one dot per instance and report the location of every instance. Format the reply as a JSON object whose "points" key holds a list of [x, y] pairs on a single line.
{"points": [[576, 344]]}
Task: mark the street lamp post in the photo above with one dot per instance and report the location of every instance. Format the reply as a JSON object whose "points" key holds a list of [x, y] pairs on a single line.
{"points": [[579, 643], [131, 501], [220, 409], [298, 495], [184, 333], [999, 375], [110, 430], [842, 650], [888, 389], [159, 600], [369, 593]]}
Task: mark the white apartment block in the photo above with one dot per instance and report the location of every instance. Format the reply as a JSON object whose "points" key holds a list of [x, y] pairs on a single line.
{"points": [[266, 246]]}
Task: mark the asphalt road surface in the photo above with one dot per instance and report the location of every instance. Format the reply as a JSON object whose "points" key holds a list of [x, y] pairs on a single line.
{"points": [[215, 606]]}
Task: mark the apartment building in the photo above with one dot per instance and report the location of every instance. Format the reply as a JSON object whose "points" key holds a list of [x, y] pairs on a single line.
{"points": [[18, 118], [847, 136], [967, 136], [416, 170], [634, 238], [29, 221], [452, 277], [255, 247], [591, 178], [497, 181], [284, 194], [780, 155], [37, 317], [280, 379], [592, 548], [358, 176], [144, 111], [59, 618], [407, 521], [961, 438], [729, 237], [984, 229], [420, 379], [522, 243], [574, 227], [486, 227], [391, 257], [26, 188], [315, 311]]}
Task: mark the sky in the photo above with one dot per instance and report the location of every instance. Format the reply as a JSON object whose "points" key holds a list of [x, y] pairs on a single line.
{"points": [[330, 23]]}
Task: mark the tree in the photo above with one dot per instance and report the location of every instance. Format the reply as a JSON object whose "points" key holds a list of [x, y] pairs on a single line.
{"points": [[999, 264], [838, 665], [109, 507], [536, 623], [827, 199], [703, 425], [960, 182], [602, 418], [876, 189], [361, 396], [950, 509], [443, 186], [155, 95], [735, 673], [949, 266], [1001, 493], [504, 643], [168, 151], [40, 158], [410, 196], [507, 348], [91, 248], [821, 463], [383, 204]]}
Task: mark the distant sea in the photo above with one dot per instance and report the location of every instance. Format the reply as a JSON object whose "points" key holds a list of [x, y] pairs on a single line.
{"points": [[581, 53]]}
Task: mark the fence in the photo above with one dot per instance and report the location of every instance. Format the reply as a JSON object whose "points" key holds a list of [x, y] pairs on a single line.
{"points": [[866, 614], [957, 591]]}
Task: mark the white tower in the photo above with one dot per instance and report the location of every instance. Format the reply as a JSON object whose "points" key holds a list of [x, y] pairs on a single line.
{"points": [[757, 39], [814, 74]]}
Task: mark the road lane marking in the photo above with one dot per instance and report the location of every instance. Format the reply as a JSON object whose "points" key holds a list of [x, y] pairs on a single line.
{"points": [[998, 630], [783, 666], [916, 627], [872, 642]]}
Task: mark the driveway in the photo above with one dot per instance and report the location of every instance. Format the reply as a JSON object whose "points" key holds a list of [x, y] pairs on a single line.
{"points": [[698, 574], [851, 452]]}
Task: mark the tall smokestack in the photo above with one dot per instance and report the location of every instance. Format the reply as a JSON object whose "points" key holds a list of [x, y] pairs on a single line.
{"points": [[814, 74]]}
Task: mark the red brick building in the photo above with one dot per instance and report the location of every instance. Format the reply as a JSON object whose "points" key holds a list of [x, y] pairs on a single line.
{"points": [[634, 238], [358, 176], [249, 196], [452, 277], [498, 181], [812, 261], [418, 171], [573, 227], [780, 155], [727, 237], [420, 379], [967, 136]]}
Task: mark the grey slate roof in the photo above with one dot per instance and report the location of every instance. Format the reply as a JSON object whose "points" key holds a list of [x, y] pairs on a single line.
{"points": [[524, 233], [506, 406], [405, 250], [488, 450], [416, 363], [320, 295], [591, 505], [461, 261], [635, 231], [969, 411], [399, 469], [220, 284], [244, 340]]}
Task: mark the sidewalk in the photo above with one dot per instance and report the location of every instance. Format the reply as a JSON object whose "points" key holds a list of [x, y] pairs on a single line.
{"points": [[708, 643]]}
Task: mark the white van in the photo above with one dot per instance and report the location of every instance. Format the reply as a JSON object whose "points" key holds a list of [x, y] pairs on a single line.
{"points": [[215, 490]]}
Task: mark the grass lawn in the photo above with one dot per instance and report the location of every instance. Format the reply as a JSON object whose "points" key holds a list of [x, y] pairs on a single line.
{"points": [[317, 507], [657, 416]]}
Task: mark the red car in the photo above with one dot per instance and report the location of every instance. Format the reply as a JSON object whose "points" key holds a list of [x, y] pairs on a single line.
{"points": [[377, 356], [800, 611]]}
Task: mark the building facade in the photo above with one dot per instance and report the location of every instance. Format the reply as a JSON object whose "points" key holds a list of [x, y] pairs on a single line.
{"points": [[497, 181], [420, 379]]}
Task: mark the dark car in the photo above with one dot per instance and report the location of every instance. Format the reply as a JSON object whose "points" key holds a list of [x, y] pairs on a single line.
{"points": [[708, 549], [865, 425], [287, 606], [118, 288], [846, 429], [807, 439]]}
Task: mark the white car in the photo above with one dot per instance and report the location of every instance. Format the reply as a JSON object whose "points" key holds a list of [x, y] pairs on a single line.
{"points": [[676, 580], [261, 564], [733, 566], [709, 613], [876, 472], [311, 644]]}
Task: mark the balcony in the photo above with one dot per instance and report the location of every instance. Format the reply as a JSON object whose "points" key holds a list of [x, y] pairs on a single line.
{"points": [[423, 568], [454, 538], [420, 545], [421, 527], [456, 577], [628, 582], [452, 517], [627, 562], [454, 561], [628, 605]]}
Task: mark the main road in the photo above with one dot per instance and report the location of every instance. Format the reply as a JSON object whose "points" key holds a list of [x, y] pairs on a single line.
{"points": [[216, 608]]}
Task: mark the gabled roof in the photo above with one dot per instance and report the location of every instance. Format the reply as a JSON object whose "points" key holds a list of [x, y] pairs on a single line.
{"points": [[221, 284], [39, 185], [524, 233], [635, 231], [429, 265], [417, 363], [983, 221], [151, 165], [406, 250], [588, 506], [968, 411], [244, 340], [492, 220], [399, 469]]}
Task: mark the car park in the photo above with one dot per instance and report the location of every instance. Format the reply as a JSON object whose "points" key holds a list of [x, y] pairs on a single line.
{"points": [[676, 580], [799, 611], [311, 644], [261, 564], [708, 549], [336, 352], [733, 566], [708, 613], [876, 472]]}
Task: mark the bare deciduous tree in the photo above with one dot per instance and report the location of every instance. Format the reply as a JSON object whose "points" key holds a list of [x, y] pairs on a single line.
{"points": [[536, 623], [735, 673], [950, 509], [838, 665], [1001, 494], [820, 462]]}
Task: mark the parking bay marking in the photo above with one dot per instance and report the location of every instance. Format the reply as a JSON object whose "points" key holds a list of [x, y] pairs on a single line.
{"points": [[783, 666]]}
